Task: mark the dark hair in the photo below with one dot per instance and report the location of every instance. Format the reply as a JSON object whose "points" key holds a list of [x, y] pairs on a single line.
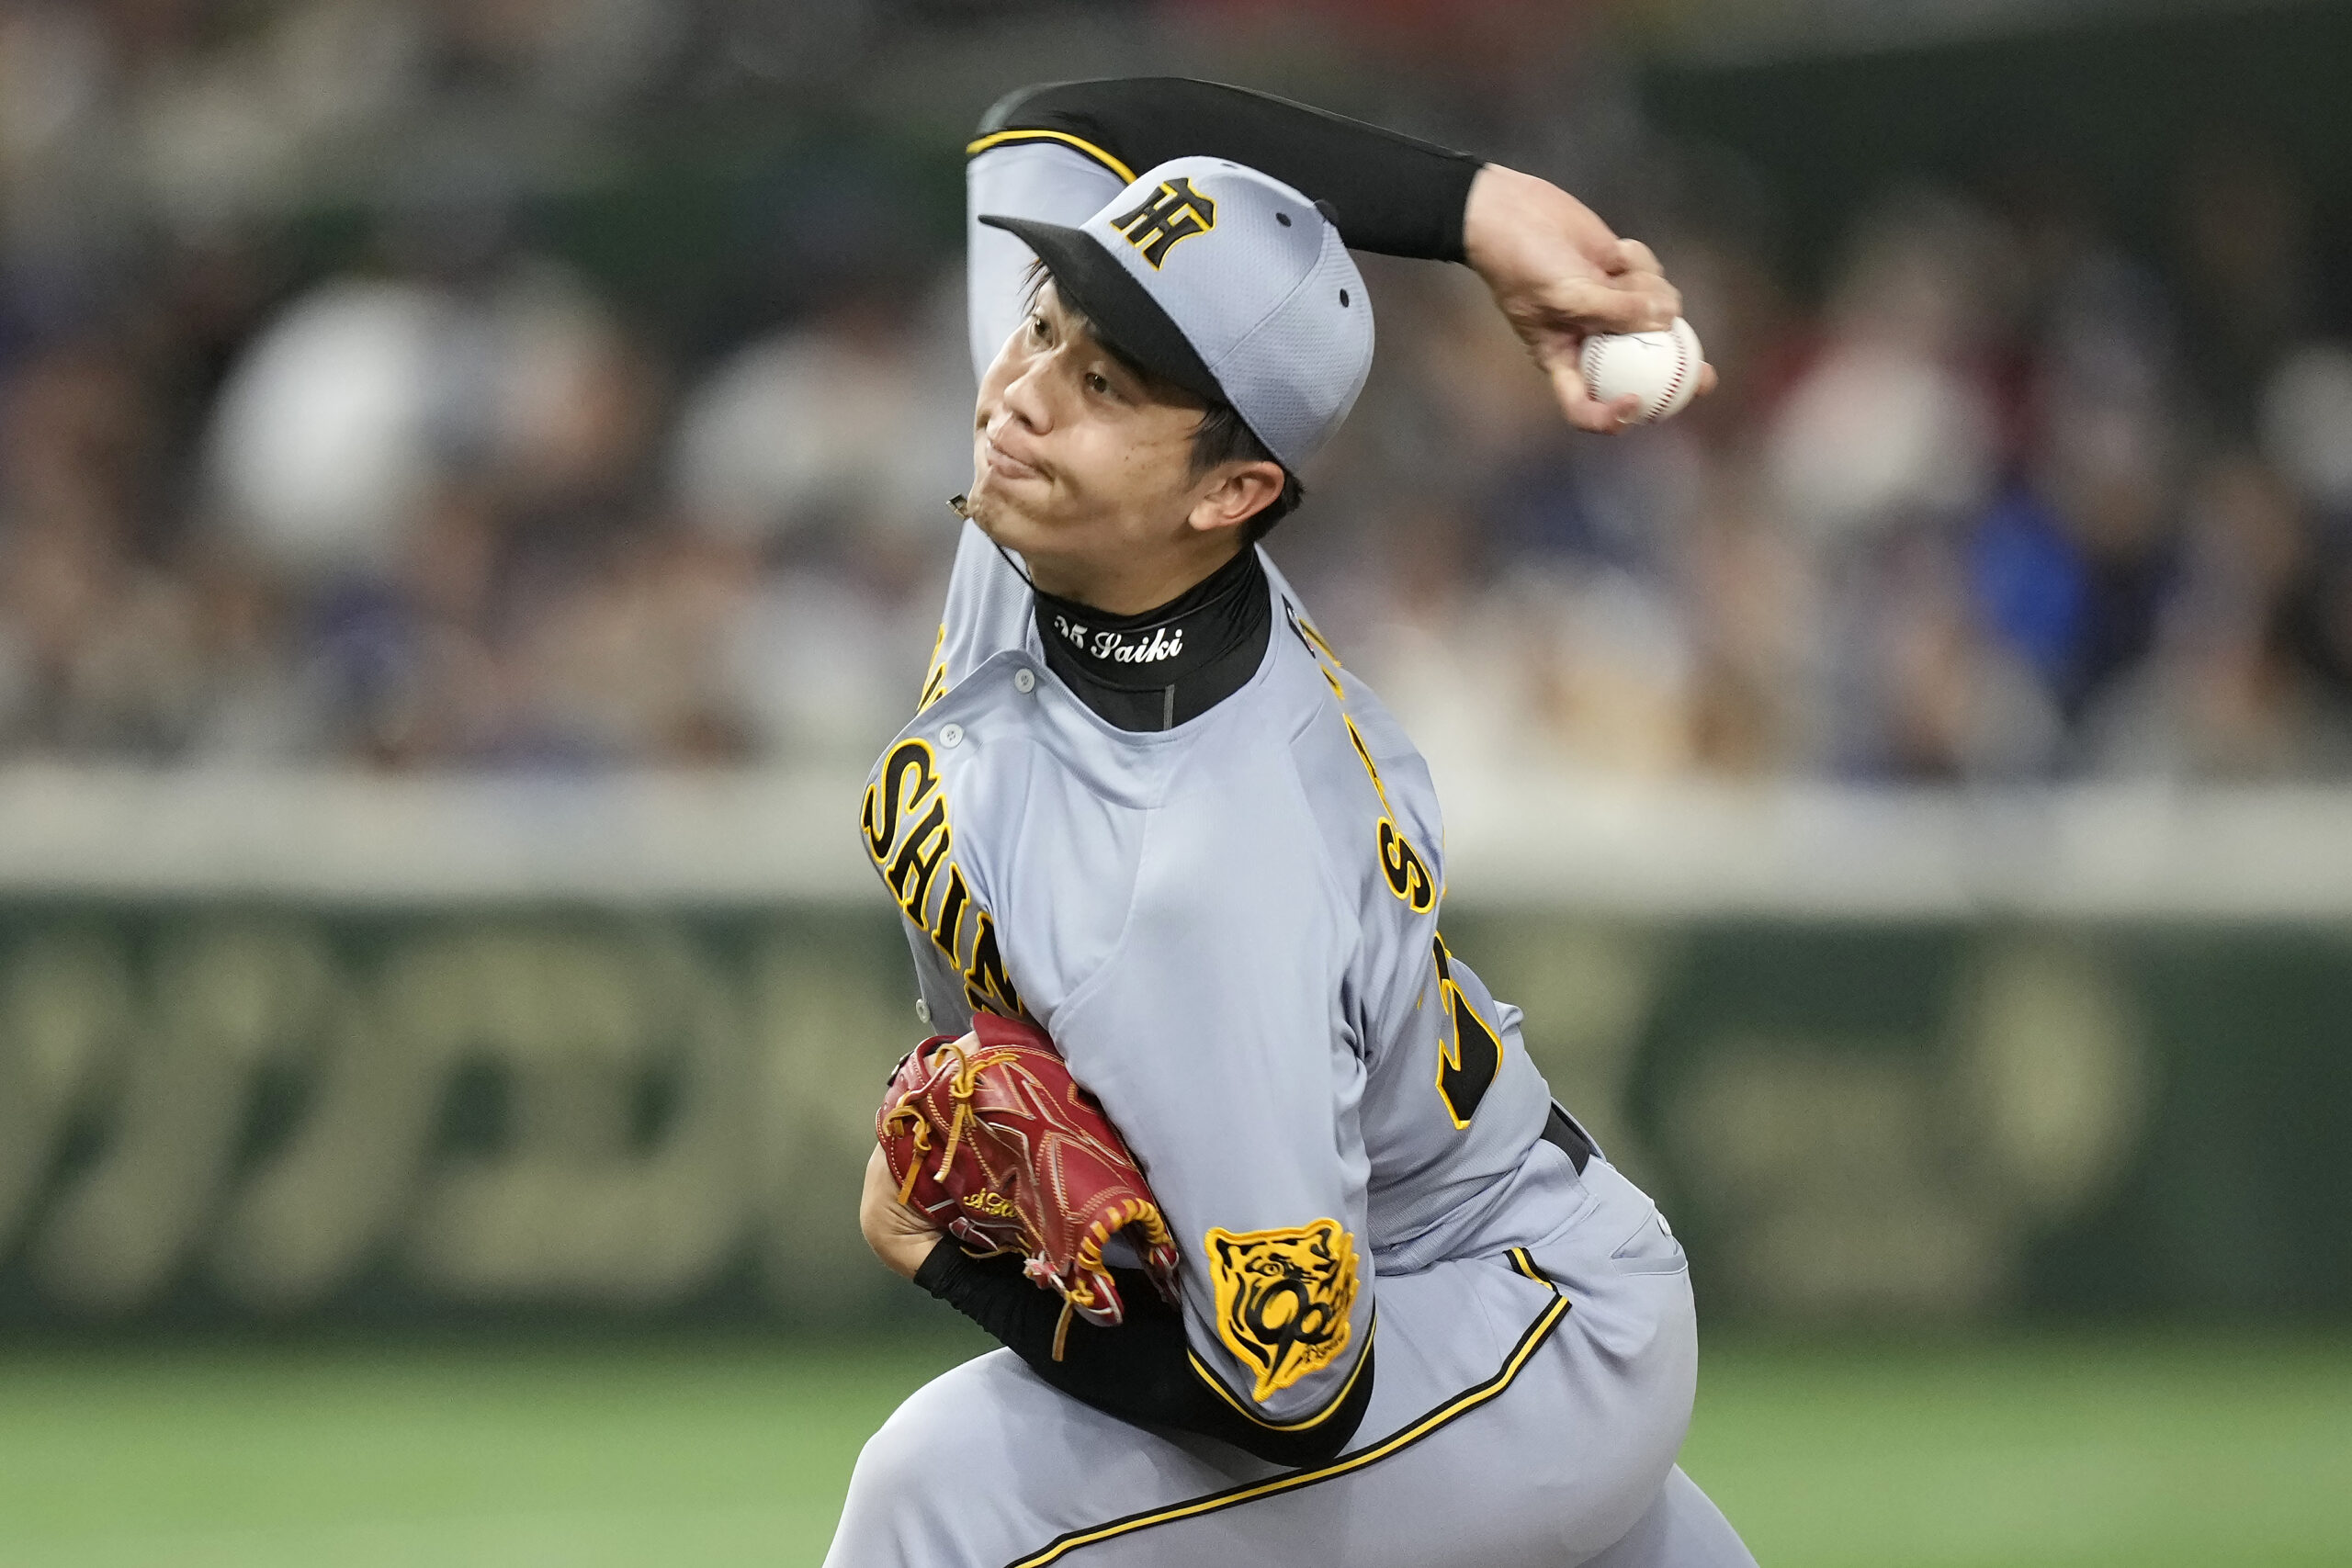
{"points": [[1222, 436]]}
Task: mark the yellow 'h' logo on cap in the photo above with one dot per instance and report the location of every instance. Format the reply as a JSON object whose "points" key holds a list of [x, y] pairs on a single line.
{"points": [[1173, 212]]}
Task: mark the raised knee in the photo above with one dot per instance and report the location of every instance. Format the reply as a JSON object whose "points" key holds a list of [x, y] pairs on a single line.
{"points": [[923, 1455], [891, 1518], [910, 1451]]}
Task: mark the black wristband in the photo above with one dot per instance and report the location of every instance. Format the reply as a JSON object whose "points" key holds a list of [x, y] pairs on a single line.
{"points": [[1393, 194], [939, 1268]]}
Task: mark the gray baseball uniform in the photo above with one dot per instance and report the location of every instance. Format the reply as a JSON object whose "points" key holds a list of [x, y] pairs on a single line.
{"points": [[1230, 929]]}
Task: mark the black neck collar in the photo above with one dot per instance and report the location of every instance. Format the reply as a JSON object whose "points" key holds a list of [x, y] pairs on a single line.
{"points": [[1155, 669]]}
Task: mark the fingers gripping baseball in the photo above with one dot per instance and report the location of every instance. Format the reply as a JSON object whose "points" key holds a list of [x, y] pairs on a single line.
{"points": [[1559, 276], [1634, 256]]}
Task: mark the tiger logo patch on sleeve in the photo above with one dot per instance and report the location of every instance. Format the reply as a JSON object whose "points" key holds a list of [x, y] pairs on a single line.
{"points": [[1283, 1298]]}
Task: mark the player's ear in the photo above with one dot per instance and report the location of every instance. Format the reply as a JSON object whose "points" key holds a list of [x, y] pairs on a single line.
{"points": [[1233, 493]]}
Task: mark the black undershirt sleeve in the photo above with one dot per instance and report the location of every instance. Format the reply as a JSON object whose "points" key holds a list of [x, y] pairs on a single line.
{"points": [[1140, 1371], [1393, 194]]}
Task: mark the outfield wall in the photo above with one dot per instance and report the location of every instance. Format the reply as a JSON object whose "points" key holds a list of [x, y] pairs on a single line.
{"points": [[341, 1048]]}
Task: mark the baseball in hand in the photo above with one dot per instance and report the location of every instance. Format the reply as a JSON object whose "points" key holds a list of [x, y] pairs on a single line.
{"points": [[1660, 368]]}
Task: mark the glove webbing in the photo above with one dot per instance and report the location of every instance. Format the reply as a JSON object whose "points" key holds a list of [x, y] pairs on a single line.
{"points": [[966, 1082]]}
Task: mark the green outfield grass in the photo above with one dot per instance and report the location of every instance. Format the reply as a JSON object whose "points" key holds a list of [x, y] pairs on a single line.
{"points": [[2138, 1453]]}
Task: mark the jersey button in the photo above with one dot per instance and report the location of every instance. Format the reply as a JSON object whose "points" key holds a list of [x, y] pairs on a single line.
{"points": [[951, 736], [1025, 681]]}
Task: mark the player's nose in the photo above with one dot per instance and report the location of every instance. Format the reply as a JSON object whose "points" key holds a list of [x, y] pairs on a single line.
{"points": [[1028, 397]]}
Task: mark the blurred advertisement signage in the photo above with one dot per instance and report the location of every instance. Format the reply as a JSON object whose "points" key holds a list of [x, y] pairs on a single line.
{"points": [[229, 1114]]}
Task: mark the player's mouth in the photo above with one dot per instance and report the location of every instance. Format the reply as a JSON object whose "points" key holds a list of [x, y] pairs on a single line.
{"points": [[1005, 465]]}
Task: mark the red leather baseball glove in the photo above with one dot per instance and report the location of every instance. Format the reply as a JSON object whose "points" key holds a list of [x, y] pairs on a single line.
{"points": [[990, 1136]]}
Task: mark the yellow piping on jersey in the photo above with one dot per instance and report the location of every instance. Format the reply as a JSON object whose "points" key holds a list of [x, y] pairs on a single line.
{"points": [[1307, 628], [1008, 138], [1467, 1400]]}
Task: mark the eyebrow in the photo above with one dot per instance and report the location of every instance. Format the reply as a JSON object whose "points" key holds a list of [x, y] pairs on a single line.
{"points": [[1071, 316]]}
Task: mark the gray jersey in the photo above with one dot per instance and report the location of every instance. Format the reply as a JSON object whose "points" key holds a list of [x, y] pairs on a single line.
{"points": [[1230, 929]]}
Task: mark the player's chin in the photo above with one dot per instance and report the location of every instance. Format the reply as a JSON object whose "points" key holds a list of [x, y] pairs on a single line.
{"points": [[1006, 510]]}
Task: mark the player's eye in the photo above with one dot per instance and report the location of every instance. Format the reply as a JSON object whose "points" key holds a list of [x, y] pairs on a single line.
{"points": [[1037, 328], [1097, 382]]}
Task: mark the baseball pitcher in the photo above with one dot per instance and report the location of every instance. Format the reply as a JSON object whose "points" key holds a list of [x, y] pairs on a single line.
{"points": [[1353, 1289]]}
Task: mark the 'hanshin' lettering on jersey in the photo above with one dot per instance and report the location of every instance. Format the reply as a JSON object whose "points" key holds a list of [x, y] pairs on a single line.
{"points": [[909, 836]]}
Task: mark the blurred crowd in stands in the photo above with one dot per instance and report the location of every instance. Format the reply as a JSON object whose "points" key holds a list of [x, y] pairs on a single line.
{"points": [[1991, 498]]}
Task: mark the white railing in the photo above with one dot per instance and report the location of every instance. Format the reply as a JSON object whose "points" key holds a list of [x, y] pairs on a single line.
{"points": [[1643, 850]]}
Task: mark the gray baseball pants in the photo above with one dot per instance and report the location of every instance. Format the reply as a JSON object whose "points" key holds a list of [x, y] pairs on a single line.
{"points": [[1525, 1413]]}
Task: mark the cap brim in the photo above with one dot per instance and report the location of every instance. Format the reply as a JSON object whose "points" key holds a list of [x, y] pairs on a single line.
{"points": [[1123, 311]]}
